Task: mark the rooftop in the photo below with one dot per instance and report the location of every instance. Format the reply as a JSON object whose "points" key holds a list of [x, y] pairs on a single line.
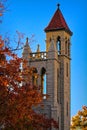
{"points": [[58, 22]]}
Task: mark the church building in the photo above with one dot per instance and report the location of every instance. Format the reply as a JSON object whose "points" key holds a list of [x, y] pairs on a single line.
{"points": [[54, 69]]}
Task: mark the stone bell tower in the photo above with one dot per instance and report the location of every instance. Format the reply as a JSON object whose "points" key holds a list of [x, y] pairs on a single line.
{"points": [[53, 68]]}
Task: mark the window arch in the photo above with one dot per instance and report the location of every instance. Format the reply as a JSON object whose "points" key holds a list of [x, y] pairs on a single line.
{"points": [[67, 109], [68, 47], [59, 45], [43, 81], [57, 85], [67, 69], [50, 39]]}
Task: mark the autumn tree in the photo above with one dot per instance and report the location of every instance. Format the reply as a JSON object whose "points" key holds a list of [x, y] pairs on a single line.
{"points": [[80, 119], [18, 98]]}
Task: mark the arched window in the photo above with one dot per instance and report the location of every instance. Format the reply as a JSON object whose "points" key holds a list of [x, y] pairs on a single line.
{"points": [[50, 39], [67, 69], [44, 88], [58, 85], [34, 77], [68, 47], [43, 81], [59, 45], [67, 111]]}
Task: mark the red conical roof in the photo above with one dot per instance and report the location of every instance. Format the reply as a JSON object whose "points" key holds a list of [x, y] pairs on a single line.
{"points": [[58, 23]]}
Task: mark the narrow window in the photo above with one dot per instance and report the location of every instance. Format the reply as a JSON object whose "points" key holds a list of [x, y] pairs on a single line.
{"points": [[50, 39], [68, 48], [59, 45], [34, 77], [43, 82], [58, 85], [67, 108], [67, 69], [44, 88]]}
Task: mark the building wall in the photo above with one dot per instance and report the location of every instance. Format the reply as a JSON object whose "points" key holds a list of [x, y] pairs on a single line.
{"points": [[57, 68]]}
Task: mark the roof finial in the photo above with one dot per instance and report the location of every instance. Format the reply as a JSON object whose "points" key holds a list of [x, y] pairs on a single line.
{"points": [[27, 40], [38, 48], [58, 5]]}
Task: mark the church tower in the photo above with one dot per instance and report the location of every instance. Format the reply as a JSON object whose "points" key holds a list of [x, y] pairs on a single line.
{"points": [[59, 30], [53, 68]]}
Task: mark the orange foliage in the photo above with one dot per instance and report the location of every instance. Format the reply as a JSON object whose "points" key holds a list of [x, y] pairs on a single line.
{"points": [[17, 98]]}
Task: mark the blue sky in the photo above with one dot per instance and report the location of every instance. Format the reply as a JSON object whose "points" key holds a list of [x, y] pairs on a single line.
{"points": [[32, 16]]}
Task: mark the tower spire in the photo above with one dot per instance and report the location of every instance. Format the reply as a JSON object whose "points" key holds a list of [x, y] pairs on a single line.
{"points": [[38, 48], [26, 40], [58, 5], [26, 50], [58, 22]]}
